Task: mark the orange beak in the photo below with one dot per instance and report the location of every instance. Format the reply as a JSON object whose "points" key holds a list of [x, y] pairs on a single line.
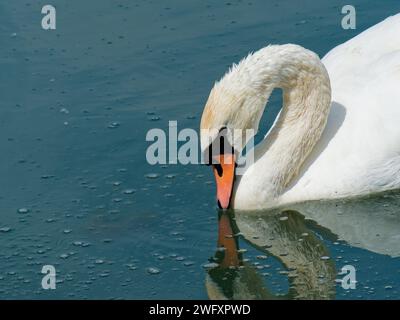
{"points": [[224, 172]]}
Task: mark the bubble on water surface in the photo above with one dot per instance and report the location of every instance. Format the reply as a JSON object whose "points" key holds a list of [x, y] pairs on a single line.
{"points": [[210, 265], [153, 270], [46, 176], [23, 210], [152, 175], [113, 125], [131, 266]]}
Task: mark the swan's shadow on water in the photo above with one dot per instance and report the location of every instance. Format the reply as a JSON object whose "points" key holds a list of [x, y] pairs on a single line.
{"points": [[291, 237]]}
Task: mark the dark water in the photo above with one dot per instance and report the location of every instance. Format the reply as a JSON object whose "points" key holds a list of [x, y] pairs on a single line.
{"points": [[76, 105]]}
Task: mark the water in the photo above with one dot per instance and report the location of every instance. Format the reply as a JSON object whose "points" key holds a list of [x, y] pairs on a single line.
{"points": [[77, 193]]}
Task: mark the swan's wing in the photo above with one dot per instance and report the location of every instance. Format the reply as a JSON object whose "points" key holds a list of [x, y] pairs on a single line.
{"points": [[363, 50], [359, 151], [365, 70]]}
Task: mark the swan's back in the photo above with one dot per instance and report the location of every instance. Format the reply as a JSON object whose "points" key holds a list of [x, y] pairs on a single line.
{"points": [[359, 151], [368, 65], [365, 49]]}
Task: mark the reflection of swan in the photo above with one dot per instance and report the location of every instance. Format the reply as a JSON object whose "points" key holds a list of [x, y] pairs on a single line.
{"points": [[318, 148], [372, 223], [310, 276]]}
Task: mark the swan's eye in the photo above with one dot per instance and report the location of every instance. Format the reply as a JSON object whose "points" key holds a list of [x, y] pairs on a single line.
{"points": [[219, 146]]}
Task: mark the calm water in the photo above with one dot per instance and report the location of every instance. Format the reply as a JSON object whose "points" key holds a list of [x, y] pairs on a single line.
{"points": [[76, 191]]}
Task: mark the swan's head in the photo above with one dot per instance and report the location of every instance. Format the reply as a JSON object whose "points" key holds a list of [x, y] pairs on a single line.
{"points": [[230, 119]]}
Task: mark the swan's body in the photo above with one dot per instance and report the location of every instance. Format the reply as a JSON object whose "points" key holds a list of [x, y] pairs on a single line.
{"points": [[338, 134]]}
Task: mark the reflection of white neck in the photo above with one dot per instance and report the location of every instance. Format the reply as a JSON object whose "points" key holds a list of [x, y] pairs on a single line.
{"points": [[306, 102]]}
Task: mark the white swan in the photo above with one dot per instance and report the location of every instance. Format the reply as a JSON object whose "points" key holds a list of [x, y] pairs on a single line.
{"points": [[338, 134]]}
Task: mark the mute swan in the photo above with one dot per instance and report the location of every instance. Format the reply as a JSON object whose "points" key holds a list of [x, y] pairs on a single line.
{"points": [[338, 134]]}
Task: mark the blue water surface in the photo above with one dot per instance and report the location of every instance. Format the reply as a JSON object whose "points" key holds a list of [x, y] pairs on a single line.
{"points": [[76, 191]]}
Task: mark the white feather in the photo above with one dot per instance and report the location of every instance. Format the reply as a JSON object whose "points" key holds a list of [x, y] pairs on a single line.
{"points": [[356, 153]]}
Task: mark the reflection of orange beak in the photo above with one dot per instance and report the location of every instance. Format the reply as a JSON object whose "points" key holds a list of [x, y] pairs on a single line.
{"points": [[224, 172], [227, 241]]}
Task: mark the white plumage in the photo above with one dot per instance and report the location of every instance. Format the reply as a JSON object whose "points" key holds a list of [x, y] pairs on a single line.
{"points": [[363, 156], [356, 153]]}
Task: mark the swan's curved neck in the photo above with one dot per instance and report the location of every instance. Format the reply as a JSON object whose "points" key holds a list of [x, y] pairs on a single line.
{"points": [[306, 102]]}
